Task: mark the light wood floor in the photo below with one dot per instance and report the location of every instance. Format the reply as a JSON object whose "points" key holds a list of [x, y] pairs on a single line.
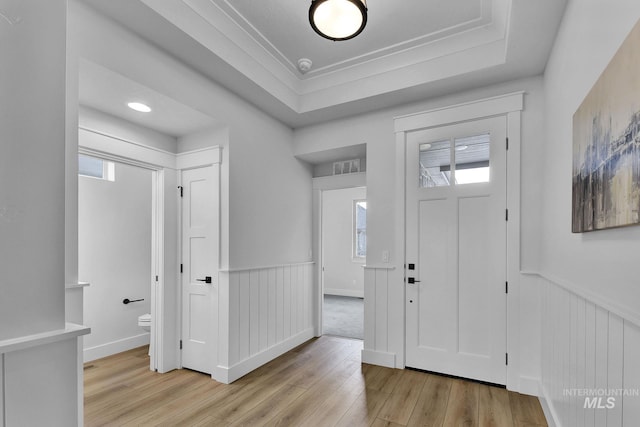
{"points": [[320, 383]]}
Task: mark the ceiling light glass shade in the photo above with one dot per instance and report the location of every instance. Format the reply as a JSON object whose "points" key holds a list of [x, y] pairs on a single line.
{"points": [[338, 19]]}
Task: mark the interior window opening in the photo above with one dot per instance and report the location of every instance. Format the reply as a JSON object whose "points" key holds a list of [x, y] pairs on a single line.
{"points": [[94, 167]]}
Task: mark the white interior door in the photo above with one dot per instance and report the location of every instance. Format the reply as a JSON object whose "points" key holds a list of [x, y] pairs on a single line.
{"points": [[456, 249], [200, 246]]}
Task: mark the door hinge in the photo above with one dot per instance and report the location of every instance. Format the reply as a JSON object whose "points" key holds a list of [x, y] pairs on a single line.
{"points": [[156, 278], [506, 359], [181, 188], [181, 268], [507, 144], [180, 344], [506, 287], [506, 214]]}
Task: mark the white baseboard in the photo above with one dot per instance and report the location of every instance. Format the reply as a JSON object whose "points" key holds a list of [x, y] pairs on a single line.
{"points": [[529, 385], [380, 358], [104, 350], [549, 413], [344, 292], [227, 375]]}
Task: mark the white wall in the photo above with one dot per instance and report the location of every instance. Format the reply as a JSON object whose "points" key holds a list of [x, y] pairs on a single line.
{"points": [[582, 271], [35, 373], [342, 274], [590, 34], [269, 197], [218, 136], [98, 121], [114, 228], [376, 129], [32, 118]]}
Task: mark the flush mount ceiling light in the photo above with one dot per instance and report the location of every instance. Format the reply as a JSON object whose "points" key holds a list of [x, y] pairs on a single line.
{"points": [[338, 19], [139, 106]]}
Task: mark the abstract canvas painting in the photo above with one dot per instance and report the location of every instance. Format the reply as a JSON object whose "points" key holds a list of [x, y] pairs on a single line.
{"points": [[606, 145]]}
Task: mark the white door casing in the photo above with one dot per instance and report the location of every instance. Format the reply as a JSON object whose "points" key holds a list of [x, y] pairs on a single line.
{"points": [[456, 239], [200, 255]]}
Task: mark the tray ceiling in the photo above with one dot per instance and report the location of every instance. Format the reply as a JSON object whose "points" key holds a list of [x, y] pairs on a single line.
{"points": [[410, 49]]}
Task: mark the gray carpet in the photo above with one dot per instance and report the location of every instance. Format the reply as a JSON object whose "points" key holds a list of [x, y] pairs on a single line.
{"points": [[343, 316]]}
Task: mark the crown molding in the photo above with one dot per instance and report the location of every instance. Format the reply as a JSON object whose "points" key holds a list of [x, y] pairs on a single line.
{"points": [[472, 46]]}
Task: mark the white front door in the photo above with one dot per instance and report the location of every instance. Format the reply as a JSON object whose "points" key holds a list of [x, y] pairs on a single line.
{"points": [[456, 249], [200, 247]]}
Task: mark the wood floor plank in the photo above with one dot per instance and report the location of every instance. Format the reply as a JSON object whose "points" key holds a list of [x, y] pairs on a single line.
{"points": [[332, 409], [318, 368], [131, 409], [339, 391], [494, 406], [365, 409], [431, 407], [134, 394], [306, 404], [462, 409], [267, 410], [385, 380], [179, 408], [526, 409], [400, 405], [378, 422]]}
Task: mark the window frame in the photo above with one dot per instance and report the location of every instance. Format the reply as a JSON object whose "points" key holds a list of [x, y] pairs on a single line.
{"points": [[108, 168], [354, 233]]}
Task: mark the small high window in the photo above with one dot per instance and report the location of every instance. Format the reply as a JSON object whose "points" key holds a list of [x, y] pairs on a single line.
{"points": [[96, 168], [359, 229]]}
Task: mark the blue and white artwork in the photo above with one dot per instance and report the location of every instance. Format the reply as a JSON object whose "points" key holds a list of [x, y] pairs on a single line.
{"points": [[606, 145]]}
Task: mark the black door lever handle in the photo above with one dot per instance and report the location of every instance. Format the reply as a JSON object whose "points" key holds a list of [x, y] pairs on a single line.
{"points": [[412, 280], [127, 300], [207, 279]]}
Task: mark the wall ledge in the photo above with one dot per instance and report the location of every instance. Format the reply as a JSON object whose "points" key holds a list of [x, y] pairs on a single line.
{"points": [[379, 267], [77, 285], [70, 331], [265, 267], [612, 307]]}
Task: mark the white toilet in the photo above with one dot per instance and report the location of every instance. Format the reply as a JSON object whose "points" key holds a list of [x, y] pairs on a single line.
{"points": [[144, 322]]}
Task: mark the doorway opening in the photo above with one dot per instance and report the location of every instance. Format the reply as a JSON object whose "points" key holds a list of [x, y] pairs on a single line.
{"points": [[344, 241], [116, 237]]}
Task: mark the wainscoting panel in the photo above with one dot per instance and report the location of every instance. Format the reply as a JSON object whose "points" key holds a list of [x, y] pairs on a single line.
{"points": [[376, 317], [587, 349], [270, 312]]}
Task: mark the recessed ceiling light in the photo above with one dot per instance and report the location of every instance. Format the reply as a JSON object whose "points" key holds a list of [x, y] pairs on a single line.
{"points": [[138, 106]]}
